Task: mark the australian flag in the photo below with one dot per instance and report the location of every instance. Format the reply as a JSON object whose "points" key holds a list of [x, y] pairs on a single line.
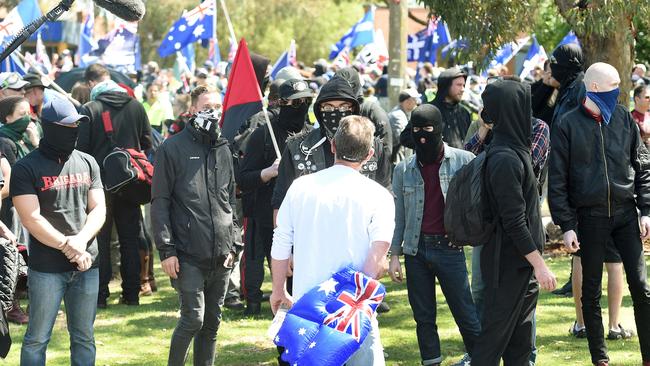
{"points": [[422, 46], [329, 323], [570, 38], [193, 26]]}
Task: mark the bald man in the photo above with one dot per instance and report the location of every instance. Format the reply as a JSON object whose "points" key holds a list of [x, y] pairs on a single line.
{"points": [[598, 178]]}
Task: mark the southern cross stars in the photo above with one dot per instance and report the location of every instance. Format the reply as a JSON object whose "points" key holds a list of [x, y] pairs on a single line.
{"points": [[328, 286]]}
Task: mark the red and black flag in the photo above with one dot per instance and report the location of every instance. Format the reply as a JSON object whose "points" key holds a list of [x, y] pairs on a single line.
{"points": [[243, 95]]}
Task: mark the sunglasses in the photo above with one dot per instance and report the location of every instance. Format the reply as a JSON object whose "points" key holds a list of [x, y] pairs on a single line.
{"points": [[329, 108], [296, 103]]}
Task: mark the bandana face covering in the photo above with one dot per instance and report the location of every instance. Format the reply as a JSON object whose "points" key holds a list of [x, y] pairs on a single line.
{"points": [[606, 102], [331, 121], [293, 119], [207, 122]]}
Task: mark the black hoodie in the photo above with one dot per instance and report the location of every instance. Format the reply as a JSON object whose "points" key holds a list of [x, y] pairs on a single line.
{"points": [[510, 181], [131, 129], [455, 118]]}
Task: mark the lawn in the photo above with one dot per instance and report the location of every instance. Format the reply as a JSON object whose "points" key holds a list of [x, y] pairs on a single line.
{"points": [[140, 335]]}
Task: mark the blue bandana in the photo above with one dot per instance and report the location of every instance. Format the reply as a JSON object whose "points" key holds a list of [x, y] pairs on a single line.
{"points": [[606, 102]]}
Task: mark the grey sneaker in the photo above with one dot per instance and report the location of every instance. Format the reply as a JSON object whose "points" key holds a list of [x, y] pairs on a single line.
{"points": [[621, 333], [465, 361]]}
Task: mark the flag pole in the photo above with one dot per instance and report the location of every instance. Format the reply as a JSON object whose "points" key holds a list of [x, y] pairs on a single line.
{"points": [[230, 27], [278, 154], [54, 85], [214, 35]]}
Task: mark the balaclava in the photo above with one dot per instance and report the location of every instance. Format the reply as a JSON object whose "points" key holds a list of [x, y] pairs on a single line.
{"points": [[293, 119], [58, 141], [428, 145]]}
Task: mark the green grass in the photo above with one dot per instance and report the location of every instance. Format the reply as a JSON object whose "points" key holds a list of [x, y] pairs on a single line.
{"points": [[140, 335]]}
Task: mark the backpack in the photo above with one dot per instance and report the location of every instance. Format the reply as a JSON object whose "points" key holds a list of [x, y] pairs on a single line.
{"points": [[127, 172], [468, 220]]}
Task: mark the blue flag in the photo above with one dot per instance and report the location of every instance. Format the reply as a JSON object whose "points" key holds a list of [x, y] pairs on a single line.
{"points": [[12, 64], [505, 53], [195, 25], [569, 38], [362, 33], [453, 47], [329, 323], [86, 42], [536, 56], [121, 48]]}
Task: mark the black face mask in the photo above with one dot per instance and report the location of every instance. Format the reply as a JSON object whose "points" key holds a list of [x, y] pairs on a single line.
{"points": [[293, 119], [58, 141], [331, 121], [428, 151]]}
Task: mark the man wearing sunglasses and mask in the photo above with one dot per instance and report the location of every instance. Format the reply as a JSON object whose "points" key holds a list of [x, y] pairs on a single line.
{"points": [[258, 172], [192, 214], [311, 152]]}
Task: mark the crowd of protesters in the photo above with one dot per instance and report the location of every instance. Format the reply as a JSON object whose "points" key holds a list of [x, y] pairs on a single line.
{"points": [[222, 210]]}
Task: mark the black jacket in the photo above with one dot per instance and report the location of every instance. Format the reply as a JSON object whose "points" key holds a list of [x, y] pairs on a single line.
{"points": [[131, 129], [543, 100], [596, 167], [455, 118], [570, 95], [510, 181], [259, 155], [193, 196]]}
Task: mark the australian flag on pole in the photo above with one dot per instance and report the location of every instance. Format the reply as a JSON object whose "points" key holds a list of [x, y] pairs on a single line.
{"points": [[423, 45], [193, 26], [328, 324]]}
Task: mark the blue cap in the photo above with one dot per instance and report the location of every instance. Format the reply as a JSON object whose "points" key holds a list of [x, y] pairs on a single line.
{"points": [[58, 109]]}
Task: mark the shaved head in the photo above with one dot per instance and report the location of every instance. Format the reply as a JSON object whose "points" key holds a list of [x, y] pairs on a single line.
{"points": [[601, 77]]}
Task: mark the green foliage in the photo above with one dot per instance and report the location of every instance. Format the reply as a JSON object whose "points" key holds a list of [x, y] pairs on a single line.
{"points": [[267, 26], [549, 27], [643, 43], [596, 16]]}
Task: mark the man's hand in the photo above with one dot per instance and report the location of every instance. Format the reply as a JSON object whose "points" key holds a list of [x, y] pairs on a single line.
{"points": [[279, 298], [171, 267], [395, 269], [32, 133], [545, 277], [75, 247], [644, 222], [571, 242], [7, 234], [271, 172], [84, 262]]}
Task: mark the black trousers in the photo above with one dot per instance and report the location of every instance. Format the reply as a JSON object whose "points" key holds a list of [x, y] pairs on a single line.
{"points": [[257, 249], [594, 233], [507, 328], [128, 220]]}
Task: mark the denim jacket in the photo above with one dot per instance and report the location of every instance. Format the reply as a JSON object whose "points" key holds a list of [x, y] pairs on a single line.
{"points": [[408, 190]]}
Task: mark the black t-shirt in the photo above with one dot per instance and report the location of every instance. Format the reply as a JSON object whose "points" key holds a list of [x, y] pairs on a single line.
{"points": [[62, 191]]}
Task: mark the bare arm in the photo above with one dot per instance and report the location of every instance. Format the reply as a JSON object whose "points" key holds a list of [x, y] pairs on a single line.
{"points": [[6, 174], [96, 215], [376, 263], [29, 211]]}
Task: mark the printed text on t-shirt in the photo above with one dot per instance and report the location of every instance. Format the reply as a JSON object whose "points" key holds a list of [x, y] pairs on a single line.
{"points": [[66, 181]]}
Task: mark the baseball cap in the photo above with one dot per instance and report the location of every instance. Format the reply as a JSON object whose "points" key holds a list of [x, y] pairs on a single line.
{"points": [[33, 80], [408, 93], [12, 80], [57, 109], [294, 89]]}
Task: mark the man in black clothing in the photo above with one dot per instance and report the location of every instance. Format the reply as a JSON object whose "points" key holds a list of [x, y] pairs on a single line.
{"points": [[567, 63], [192, 214], [456, 119], [511, 262], [131, 130], [598, 178], [256, 180]]}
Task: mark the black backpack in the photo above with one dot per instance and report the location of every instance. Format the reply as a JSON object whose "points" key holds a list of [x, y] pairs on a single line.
{"points": [[468, 220]]}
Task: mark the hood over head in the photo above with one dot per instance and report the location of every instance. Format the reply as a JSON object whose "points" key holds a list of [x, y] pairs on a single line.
{"points": [[352, 75], [507, 104], [444, 81], [114, 99], [567, 62], [260, 64], [338, 88]]}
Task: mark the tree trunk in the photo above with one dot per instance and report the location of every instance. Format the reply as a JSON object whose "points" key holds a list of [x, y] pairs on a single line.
{"points": [[616, 49]]}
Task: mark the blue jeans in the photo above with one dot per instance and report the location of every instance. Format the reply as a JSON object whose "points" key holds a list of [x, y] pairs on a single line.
{"points": [[78, 290], [436, 259]]}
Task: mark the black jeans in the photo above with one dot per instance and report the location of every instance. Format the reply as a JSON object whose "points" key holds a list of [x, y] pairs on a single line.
{"points": [[201, 294], [257, 249], [128, 220], [594, 232], [509, 309], [436, 259]]}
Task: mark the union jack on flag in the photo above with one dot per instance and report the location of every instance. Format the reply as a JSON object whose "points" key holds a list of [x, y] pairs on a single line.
{"points": [[352, 307]]}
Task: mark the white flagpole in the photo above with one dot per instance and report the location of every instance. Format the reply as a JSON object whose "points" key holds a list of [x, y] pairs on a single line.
{"points": [[230, 27], [54, 85]]}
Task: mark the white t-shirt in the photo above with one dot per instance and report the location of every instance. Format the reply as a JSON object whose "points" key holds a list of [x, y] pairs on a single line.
{"points": [[331, 218]]}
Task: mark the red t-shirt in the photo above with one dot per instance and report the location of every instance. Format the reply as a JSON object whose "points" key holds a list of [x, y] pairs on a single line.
{"points": [[433, 217]]}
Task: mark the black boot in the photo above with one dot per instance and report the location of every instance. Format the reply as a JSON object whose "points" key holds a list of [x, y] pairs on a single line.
{"points": [[253, 308]]}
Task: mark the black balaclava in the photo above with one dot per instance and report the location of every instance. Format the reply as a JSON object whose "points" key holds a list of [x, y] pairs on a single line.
{"points": [[207, 122], [58, 141], [567, 62], [426, 115], [293, 119]]}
